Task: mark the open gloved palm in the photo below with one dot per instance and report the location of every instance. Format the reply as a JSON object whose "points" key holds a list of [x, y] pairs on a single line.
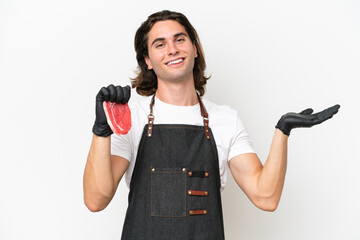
{"points": [[305, 119]]}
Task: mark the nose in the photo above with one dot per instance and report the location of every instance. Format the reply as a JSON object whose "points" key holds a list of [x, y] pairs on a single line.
{"points": [[172, 49]]}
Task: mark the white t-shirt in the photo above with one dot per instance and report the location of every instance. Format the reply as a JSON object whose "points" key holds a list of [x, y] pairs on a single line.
{"points": [[229, 132]]}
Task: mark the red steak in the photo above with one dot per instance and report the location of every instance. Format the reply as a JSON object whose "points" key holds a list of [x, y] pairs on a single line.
{"points": [[118, 117]]}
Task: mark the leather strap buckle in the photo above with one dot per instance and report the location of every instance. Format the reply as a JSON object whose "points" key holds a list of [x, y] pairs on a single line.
{"points": [[150, 124]]}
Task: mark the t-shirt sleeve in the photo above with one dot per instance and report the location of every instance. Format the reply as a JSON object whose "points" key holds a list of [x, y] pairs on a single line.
{"points": [[121, 145], [241, 142]]}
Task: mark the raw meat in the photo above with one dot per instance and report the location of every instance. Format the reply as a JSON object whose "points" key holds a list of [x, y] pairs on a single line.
{"points": [[118, 117]]}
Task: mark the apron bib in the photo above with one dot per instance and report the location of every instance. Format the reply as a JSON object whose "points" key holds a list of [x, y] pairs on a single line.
{"points": [[175, 186]]}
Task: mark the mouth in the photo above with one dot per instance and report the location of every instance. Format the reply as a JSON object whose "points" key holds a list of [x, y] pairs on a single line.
{"points": [[176, 61]]}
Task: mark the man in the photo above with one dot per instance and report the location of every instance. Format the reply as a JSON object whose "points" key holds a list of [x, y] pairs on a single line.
{"points": [[177, 151]]}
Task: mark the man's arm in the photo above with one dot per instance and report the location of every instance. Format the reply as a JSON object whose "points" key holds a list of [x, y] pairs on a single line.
{"points": [[103, 171], [102, 175], [263, 184]]}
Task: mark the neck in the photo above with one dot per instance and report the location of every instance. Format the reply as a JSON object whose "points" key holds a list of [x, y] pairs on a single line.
{"points": [[181, 94]]}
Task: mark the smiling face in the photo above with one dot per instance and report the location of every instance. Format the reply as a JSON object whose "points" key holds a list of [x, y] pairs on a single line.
{"points": [[171, 53]]}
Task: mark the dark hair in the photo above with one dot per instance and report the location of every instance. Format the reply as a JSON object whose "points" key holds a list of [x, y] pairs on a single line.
{"points": [[146, 80]]}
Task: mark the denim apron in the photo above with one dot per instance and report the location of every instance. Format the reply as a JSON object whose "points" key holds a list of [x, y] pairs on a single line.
{"points": [[175, 186]]}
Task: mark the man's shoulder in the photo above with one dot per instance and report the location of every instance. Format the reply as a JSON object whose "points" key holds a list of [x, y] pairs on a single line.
{"points": [[140, 103], [219, 110]]}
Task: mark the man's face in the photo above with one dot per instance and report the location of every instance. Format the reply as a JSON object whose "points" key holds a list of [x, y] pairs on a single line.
{"points": [[171, 52]]}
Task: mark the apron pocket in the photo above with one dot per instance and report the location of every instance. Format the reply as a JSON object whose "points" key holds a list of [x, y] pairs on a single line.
{"points": [[168, 192]]}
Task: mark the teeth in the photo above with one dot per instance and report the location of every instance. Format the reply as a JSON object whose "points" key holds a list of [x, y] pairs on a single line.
{"points": [[176, 61]]}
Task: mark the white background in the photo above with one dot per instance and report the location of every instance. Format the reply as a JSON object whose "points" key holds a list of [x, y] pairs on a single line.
{"points": [[266, 58]]}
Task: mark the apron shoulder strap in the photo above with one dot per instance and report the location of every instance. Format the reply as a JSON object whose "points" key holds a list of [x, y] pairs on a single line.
{"points": [[204, 114], [205, 117]]}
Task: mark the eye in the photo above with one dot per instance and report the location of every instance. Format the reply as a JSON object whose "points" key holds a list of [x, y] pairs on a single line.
{"points": [[159, 45], [180, 40]]}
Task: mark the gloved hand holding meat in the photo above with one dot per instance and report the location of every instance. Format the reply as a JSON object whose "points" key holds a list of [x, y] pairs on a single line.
{"points": [[305, 119], [112, 111]]}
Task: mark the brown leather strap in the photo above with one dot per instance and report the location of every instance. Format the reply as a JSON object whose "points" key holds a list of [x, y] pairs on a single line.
{"points": [[198, 212], [151, 117], [202, 107], [200, 174], [204, 114], [197, 193], [205, 117]]}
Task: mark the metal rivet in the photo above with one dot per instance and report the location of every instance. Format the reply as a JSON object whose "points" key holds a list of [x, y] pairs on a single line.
{"points": [[149, 127], [206, 193], [206, 174], [150, 122], [190, 173], [184, 169], [149, 135], [207, 137], [191, 212], [207, 130], [205, 212], [153, 169], [189, 192]]}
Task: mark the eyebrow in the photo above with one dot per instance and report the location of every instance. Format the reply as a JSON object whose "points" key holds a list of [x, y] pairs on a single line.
{"points": [[175, 36]]}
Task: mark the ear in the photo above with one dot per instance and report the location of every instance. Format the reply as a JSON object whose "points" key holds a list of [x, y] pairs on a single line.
{"points": [[148, 62], [195, 50]]}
